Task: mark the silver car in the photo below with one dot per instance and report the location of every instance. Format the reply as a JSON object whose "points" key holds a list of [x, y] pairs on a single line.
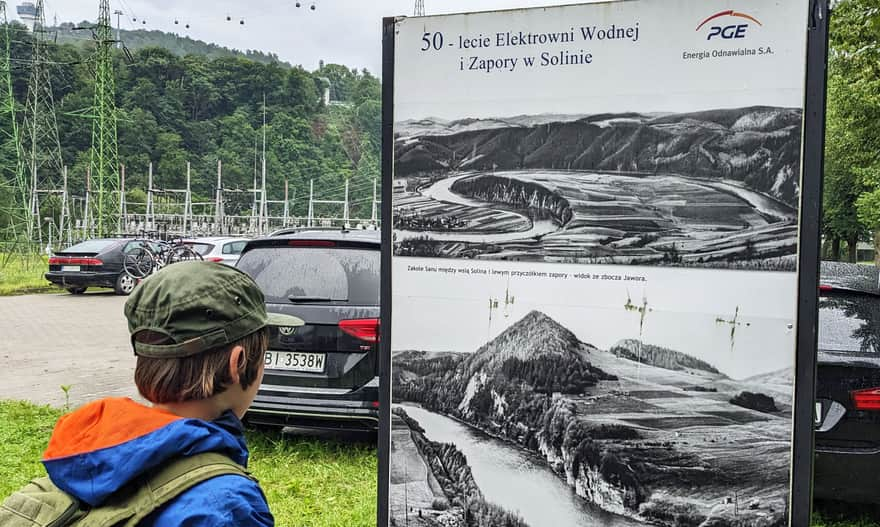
{"points": [[223, 250]]}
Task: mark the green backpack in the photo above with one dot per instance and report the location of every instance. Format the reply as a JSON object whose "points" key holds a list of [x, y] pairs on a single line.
{"points": [[41, 504]]}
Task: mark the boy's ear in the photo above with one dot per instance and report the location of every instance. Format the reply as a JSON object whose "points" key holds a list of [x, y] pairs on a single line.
{"points": [[234, 360]]}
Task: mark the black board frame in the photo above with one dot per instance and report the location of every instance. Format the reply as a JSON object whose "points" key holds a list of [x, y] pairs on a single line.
{"points": [[809, 242]]}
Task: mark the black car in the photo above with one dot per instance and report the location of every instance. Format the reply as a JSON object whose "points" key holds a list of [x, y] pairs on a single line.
{"points": [[93, 263], [326, 373], [848, 390]]}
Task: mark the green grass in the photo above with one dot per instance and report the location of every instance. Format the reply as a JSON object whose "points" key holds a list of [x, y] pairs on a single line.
{"points": [[309, 483], [24, 434], [315, 483], [837, 514], [23, 274]]}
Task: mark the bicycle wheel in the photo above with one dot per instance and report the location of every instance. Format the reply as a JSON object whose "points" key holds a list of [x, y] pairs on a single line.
{"points": [[138, 263], [182, 253]]}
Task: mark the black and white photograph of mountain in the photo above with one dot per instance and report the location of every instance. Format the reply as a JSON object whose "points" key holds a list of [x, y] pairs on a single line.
{"points": [[714, 188], [537, 427]]}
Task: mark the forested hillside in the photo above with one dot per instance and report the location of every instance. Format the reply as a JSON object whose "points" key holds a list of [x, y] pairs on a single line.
{"points": [[180, 45], [202, 108]]}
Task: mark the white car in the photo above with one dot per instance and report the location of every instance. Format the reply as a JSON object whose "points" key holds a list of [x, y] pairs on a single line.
{"points": [[223, 250]]}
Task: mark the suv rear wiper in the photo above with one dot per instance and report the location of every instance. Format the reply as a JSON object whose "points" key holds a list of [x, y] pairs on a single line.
{"points": [[308, 299]]}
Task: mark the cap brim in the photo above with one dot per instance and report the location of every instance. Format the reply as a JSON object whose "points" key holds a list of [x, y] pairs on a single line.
{"points": [[289, 321]]}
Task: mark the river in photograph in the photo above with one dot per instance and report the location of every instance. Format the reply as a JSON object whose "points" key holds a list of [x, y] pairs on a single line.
{"points": [[514, 479]]}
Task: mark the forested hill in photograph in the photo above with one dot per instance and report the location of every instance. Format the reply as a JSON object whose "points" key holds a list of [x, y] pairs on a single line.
{"points": [[180, 45], [758, 146], [183, 101]]}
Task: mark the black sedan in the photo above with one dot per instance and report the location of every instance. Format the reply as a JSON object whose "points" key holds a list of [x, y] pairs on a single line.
{"points": [[93, 263], [848, 390]]}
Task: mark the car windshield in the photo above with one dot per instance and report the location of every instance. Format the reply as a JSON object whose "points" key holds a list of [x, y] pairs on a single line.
{"points": [[201, 248], [90, 246], [316, 275], [849, 323]]}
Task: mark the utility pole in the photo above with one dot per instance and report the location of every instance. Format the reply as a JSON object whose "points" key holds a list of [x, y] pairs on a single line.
{"points": [[104, 153], [187, 206], [63, 224], [254, 208], [13, 172], [118, 14], [218, 199], [87, 213], [286, 203], [311, 203], [43, 154], [122, 225], [150, 219], [264, 212], [345, 207], [374, 216]]}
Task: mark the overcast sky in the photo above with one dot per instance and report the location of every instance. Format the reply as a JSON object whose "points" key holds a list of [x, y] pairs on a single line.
{"points": [[341, 31]]}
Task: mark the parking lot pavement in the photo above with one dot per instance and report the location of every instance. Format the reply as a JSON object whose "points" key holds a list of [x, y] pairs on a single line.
{"points": [[47, 341]]}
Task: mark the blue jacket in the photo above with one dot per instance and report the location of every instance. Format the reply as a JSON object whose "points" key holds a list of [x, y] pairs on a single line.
{"points": [[101, 447]]}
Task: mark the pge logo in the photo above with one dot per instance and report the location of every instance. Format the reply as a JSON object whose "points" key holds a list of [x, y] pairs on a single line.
{"points": [[729, 31]]}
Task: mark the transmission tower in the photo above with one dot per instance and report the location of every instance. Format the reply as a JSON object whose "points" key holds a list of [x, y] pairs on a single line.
{"points": [[40, 144], [419, 9], [12, 174], [104, 155]]}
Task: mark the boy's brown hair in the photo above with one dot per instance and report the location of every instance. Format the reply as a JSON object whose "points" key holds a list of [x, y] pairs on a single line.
{"points": [[200, 376]]}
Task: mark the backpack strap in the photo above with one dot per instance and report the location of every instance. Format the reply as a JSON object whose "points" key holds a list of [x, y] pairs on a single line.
{"points": [[39, 504], [131, 505]]}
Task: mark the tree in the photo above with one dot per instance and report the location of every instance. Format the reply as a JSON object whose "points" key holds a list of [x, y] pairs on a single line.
{"points": [[852, 169]]}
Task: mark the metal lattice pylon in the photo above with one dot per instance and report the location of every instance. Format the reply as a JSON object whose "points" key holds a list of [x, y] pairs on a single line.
{"points": [[419, 9], [104, 158], [40, 143], [12, 174]]}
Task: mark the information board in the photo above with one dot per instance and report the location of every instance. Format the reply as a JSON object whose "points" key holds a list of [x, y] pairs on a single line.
{"points": [[591, 299]]}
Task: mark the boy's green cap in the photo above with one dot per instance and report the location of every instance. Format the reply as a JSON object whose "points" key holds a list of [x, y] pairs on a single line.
{"points": [[200, 306]]}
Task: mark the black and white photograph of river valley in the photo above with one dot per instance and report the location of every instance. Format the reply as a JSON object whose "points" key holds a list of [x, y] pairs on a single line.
{"points": [[714, 188], [537, 427]]}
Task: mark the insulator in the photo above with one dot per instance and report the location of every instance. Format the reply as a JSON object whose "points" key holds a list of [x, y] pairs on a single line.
{"points": [[241, 21], [228, 18], [176, 22], [298, 4]]}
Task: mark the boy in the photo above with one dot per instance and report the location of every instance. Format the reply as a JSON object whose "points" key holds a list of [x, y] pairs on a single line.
{"points": [[200, 333]]}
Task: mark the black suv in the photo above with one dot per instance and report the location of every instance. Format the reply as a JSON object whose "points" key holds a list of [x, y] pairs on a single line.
{"points": [[324, 374], [848, 389]]}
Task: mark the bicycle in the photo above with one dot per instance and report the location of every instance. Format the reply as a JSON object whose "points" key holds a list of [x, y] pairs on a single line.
{"points": [[151, 256]]}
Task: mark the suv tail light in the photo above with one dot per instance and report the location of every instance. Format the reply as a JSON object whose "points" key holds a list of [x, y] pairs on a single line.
{"points": [[215, 259], [366, 329], [69, 260], [867, 399]]}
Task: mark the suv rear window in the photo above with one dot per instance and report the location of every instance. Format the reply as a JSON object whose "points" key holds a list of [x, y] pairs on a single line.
{"points": [[90, 246], [315, 275], [849, 323]]}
